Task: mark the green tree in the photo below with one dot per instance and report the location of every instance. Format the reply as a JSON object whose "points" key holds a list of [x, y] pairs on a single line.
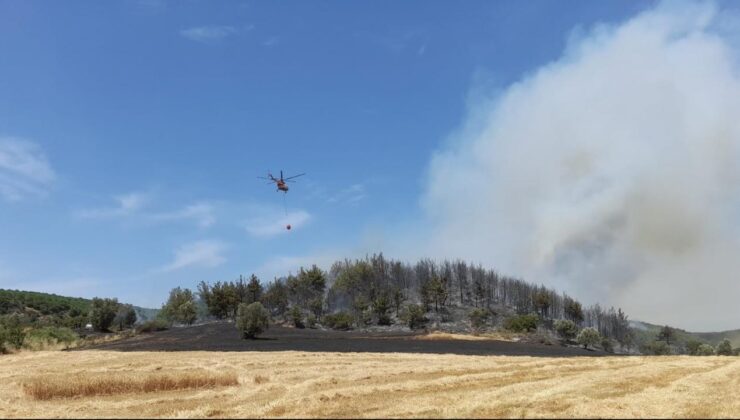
{"points": [[724, 348], [103, 312], [252, 320], [542, 301], [296, 315], [478, 318], [566, 329], [276, 298], [254, 290], [415, 316], [381, 305], [588, 337], [573, 311], [180, 307]]}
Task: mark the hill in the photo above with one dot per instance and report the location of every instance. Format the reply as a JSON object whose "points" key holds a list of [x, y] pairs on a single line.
{"points": [[645, 332], [48, 304]]}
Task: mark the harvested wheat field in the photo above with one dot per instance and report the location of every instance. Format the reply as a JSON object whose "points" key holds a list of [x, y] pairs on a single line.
{"points": [[303, 384]]}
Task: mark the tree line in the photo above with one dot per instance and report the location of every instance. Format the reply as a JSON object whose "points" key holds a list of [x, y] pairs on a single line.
{"points": [[376, 290]]}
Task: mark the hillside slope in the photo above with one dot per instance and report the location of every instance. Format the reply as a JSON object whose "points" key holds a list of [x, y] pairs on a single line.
{"points": [[645, 331], [12, 301]]}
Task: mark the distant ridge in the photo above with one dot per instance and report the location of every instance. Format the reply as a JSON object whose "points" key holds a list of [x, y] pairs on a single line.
{"points": [[51, 304], [647, 331]]}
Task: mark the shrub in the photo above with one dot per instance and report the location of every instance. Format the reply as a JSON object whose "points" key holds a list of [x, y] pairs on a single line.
{"points": [[252, 319], [521, 323], [339, 321], [311, 321], [566, 329], [607, 345], [153, 325], [705, 350], [11, 334], [588, 336], [692, 346], [656, 348], [724, 348], [40, 338], [478, 318], [414, 316], [296, 317]]}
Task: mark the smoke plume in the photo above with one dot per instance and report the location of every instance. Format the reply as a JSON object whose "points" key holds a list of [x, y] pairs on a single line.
{"points": [[612, 173]]}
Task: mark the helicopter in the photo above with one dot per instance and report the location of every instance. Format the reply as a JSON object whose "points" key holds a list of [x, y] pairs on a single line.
{"points": [[281, 183]]}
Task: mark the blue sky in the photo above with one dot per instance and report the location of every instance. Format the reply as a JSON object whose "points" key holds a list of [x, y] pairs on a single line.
{"points": [[134, 130]]}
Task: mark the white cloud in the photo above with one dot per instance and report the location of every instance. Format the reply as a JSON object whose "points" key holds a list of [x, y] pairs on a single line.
{"points": [[350, 195], [208, 33], [272, 224], [201, 213], [271, 42], [612, 172], [206, 253], [127, 204], [131, 206], [24, 169]]}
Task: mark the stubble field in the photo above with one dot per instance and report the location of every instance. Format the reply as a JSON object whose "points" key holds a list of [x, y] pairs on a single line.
{"points": [[316, 384]]}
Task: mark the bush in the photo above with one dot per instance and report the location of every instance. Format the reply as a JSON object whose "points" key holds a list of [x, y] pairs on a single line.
{"points": [[252, 319], [656, 348], [724, 348], [607, 345], [692, 346], [588, 337], [705, 350], [339, 321], [415, 317], [40, 338], [478, 319], [153, 325], [311, 321], [566, 329], [521, 323], [296, 317], [11, 333]]}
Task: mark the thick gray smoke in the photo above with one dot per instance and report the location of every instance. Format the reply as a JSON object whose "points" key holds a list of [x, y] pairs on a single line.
{"points": [[612, 173]]}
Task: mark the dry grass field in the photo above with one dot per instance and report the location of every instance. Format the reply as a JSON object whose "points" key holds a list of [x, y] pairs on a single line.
{"points": [[300, 384]]}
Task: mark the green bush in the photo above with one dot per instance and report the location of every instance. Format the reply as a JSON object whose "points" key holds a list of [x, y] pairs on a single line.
{"points": [[339, 321], [521, 323], [40, 338], [153, 325], [415, 317], [252, 319], [657, 348], [11, 333], [724, 348], [705, 350], [692, 346], [607, 345], [311, 321], [566, 329], [478, 319], [296, 317], [588, 337]]}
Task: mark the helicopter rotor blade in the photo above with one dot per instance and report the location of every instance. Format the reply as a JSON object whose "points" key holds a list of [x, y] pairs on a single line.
{"points": [[295, 176]]}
